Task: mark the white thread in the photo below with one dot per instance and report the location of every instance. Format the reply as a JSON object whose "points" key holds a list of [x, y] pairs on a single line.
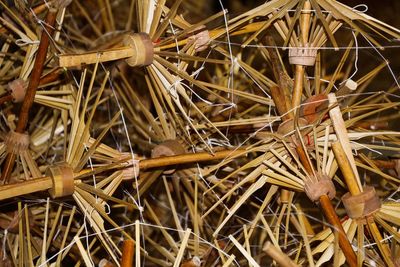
{"points": [[312, 47], [387, 63], [356, 59], [360, 5], [26, 41]]}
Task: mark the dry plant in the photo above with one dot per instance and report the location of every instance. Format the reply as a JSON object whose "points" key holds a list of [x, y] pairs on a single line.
{"points": [[141, 133]]}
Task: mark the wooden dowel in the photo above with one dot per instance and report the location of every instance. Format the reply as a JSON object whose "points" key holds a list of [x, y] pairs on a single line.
{"points": [[72, 60], [6, 98], [45, 183], [26, 187], [300, 69], [305, 22], [189, 158], [51, 76], [342, 135], [128, 251], [136, 48], [346, 169], [32, 86], [330, 215], [298, 87]]}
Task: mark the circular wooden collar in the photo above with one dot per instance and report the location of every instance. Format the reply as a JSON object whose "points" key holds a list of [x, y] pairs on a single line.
{"points": [[201, 39], [16, 142], [143, 48], [302, 56], [322, 185], [17, 89], [62, 176], [361, 205], [133, 169]]}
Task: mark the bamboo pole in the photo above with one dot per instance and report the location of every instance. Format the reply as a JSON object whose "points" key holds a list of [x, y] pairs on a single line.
{"points": [[46, 183], [278, 256], [136, 48], [300, 69], [346, 169]]}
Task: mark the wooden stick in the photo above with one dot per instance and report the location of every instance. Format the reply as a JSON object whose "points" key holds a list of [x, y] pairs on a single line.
{"points": [[32, 87], [190, 158], [342, 135], [346, 169], [72, 60], [330, 215], [137, 243], [45, 183], [128, 252], [136, 48], [300, 69]]}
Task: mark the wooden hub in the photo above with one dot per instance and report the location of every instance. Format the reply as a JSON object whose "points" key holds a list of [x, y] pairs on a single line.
{"points": [[62, 176]]}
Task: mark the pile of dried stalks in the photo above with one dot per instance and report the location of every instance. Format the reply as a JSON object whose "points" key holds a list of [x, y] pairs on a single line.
{"points": [[147, 133]]}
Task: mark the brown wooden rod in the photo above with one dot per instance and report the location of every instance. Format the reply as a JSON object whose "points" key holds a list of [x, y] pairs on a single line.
{"points": [[189, 158], [330, 215], [336, 226], [51, 76], [6, 98], [385, 164], [280, 94], [128, 251], [46, 183], [32, 87]]}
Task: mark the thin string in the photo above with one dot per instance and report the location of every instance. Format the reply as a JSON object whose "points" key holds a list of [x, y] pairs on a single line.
{"points": [[356, 59], [310, 47], [384, 59], [231, 70]]}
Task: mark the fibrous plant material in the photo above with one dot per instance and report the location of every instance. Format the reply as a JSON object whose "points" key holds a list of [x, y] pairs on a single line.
{"points": [[145, 133]]}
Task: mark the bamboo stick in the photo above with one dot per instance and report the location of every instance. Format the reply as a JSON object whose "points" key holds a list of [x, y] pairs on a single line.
{"points": [[45, 183], [300, 69], [277, 255], [346, 169]]}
